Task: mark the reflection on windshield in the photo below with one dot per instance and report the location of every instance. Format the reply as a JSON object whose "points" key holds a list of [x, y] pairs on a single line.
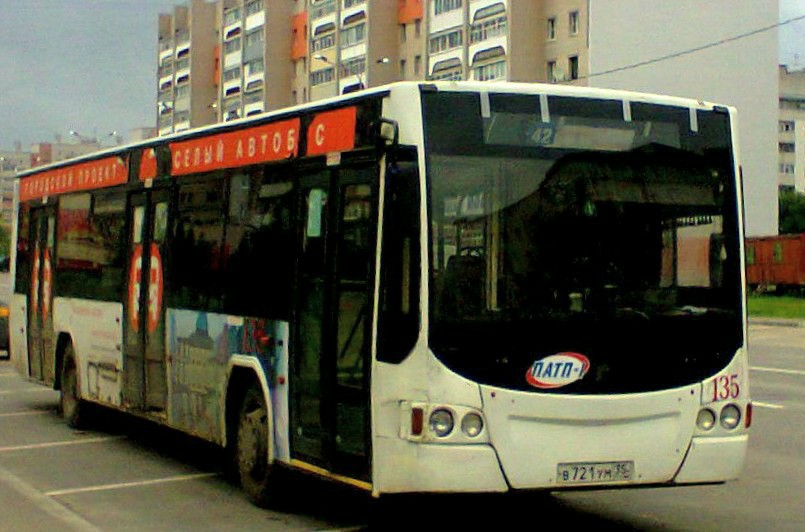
{"points": [[598, 234], [620, 236]]}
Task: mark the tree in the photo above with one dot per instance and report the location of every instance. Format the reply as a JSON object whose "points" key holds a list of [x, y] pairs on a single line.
{"points": [[792, 212], [5, 240]]}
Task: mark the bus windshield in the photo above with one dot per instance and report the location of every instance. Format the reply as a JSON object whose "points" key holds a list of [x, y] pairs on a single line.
{"points": [[573, 225]]}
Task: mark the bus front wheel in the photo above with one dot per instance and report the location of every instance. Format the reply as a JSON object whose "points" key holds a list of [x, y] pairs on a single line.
{"points": [[254, 467]]}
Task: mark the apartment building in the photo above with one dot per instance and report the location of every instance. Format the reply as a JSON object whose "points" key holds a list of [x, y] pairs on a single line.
{"points": [[791, 130], [187, 79], [228, 59]]}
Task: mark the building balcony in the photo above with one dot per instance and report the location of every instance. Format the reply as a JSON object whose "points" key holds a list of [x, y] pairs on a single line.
{"points": [[445, 21], [322, 9], [233, 58], [255, 20], [183, 50]]}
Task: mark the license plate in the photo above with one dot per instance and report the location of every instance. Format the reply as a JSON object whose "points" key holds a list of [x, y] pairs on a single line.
{"points": [[594, 472]]}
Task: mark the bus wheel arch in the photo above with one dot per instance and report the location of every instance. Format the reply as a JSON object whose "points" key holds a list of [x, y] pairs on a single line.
{"points": [[249, 435]]}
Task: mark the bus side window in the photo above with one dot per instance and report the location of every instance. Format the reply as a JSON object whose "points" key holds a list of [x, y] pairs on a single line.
{"points": [[398, 326], [22, 275]]}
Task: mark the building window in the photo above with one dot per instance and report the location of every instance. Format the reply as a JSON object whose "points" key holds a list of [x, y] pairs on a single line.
{"points": [[353, 67], [403, 36], [230, 17], [417, 65], [787, 147], [417, 28], [786, 168], [573, 67], [353, 35], [253, 67], [550, 72], [232, 46], [443, 6], [320, 77], [231, 74], [786, 125], [446, 41], [254, 7], [254, 37], [490, 72], [573, 22], [402, 68], [323, 42], [486, 29], [551, 28]]}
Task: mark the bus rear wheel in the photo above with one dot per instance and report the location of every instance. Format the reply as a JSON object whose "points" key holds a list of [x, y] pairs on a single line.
{"points": [[256, 472], [73, 409]]}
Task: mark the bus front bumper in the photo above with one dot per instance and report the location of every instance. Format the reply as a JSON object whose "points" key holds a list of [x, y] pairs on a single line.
{"points": [[716, 459]]}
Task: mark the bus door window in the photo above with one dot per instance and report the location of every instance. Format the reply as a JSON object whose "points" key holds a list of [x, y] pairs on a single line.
{"points": [[310, 339], [355, 251], [40, 299]]}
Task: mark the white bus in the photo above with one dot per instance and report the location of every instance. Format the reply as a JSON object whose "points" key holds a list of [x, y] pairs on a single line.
{"points": [[423, 287]]}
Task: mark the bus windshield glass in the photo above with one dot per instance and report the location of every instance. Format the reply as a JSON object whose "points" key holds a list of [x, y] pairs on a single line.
{"points": [[572, 225]]}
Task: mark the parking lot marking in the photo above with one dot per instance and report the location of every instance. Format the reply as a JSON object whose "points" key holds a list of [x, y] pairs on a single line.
{"points": [[26, 413], [46, 445], [778, 370], [29, 390], [124, 485], [768, 405], [45, 503]]}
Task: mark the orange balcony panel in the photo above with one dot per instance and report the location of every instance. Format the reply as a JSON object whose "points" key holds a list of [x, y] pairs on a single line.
{"points": [[410, 10], [299, 38], [216, 75]]}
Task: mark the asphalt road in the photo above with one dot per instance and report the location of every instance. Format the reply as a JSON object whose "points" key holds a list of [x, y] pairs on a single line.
{"points": [[132, 475]]}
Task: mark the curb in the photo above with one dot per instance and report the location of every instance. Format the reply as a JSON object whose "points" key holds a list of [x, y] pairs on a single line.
{"points": [[777, 322]]}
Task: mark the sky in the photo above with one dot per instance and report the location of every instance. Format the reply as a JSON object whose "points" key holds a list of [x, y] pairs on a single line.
{"points": [[90, 66]]}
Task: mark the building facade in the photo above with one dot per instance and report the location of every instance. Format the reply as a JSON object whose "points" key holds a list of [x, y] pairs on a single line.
{"points": [[228, 59], [791, 130], [267, 55]]}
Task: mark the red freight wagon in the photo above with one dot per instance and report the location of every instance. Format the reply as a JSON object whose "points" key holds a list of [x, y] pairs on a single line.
{"points": [[776, 260]]}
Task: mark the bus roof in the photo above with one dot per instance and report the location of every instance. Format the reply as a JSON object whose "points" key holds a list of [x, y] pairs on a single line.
{"points": [[401, 86]]}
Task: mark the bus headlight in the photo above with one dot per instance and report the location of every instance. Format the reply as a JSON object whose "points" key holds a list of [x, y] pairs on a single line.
{"points": [[472, 425], [730, 417], [441, 422], [706, 419]]}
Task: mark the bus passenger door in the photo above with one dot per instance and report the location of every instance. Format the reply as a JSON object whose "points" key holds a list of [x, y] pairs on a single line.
{"points": [[330, 381], [144, 328], [40, 295]]}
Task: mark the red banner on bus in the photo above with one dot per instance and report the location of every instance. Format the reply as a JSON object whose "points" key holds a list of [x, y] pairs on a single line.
{"points": [[332, 131], [148, 164], [271, 142], [83, 176]]}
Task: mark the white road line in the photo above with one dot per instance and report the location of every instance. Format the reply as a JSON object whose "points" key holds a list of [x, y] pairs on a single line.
{"points": [[47, 445], [26, 413], [124, 485], [70, 519], [768, 405], [778, 370]]}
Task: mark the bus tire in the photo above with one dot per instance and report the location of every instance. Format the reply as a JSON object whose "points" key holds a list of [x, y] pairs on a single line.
{"points": [[256, 472], [73, 409]]}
